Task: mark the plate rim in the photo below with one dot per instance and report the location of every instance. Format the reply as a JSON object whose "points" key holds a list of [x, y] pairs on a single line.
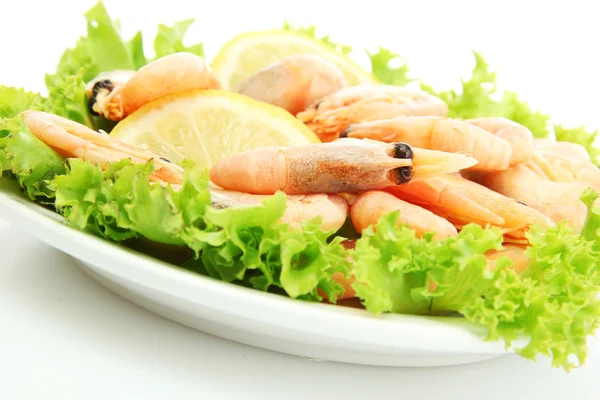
{"points": [[436, 334]]}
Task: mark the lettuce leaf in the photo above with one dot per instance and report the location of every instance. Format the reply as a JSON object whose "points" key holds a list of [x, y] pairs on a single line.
{"points": [[104, 49], [397, 272], [554, 303], [311, 31], [67, 98], [580, 136], [29, 160], [384, 72], [107, 49], [169, 40], [238, 244], [16, 100], [476, 99]]}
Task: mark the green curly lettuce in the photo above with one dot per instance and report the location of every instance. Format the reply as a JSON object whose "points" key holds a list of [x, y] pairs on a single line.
{"points": [[395, 271], [30, 161], [475, 99], [104, 49], [554, 302], [582, 137], [16, 100], [169, 40], [386, 73], [242, 244]]}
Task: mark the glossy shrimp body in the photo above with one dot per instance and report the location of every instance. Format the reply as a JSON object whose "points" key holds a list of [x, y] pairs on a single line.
{"points": [[369, 207], [568, 149], [516, 253], [299, 208], [461, 202], [550, 183], [346, 165], [74, 140], [439, 133], [516, 135], [329, 116], [118, 94], [557, 200], [294, 82], [560, 168]]}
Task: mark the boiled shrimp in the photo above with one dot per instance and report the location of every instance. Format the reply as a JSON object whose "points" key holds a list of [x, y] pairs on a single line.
{"points": [[370, 206], [514, 252], [294, 82], [439, 133], [568, 149], [73, 140], [116, 95], [461, 202], [299, 208], [518, 136], [550, 183], [561, 168], [557, 200], [329, 116], [346, 165]]}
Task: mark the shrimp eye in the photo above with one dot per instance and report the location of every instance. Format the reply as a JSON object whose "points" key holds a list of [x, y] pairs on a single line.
{"points": [[345, 131], [402, 175], [403, 150], [103, 84], [90, 105]]}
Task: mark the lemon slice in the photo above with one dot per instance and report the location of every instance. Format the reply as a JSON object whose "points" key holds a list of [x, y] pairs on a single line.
{"points": [[249, 52], [207, 125]]}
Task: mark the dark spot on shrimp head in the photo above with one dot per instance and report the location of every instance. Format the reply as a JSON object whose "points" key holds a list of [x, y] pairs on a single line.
{"points": [[90, 105], [103, 84], [403, 151], [402, 175], [345, 132]]}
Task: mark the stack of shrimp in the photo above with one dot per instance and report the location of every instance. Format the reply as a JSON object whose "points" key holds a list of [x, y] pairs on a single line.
{"points": [[384, 148]]}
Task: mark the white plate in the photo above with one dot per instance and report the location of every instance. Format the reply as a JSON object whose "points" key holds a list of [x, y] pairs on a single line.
{"points": [[269, 321]]}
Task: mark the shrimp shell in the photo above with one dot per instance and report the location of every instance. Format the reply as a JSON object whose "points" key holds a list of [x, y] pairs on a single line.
{"points": [[369, 207], [461, 202], [439, 133], [294, 82], [330, 116], [346, 165], [174, 73]]}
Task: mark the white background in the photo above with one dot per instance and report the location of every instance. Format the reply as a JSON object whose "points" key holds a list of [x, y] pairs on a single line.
{"points": [[64, 337]]}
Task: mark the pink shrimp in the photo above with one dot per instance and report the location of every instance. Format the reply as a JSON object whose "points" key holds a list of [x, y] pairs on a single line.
{"points": [[346, 165]]}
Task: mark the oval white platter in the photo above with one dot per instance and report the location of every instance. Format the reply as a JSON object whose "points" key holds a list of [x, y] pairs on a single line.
{"points": [[269, 321]]}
